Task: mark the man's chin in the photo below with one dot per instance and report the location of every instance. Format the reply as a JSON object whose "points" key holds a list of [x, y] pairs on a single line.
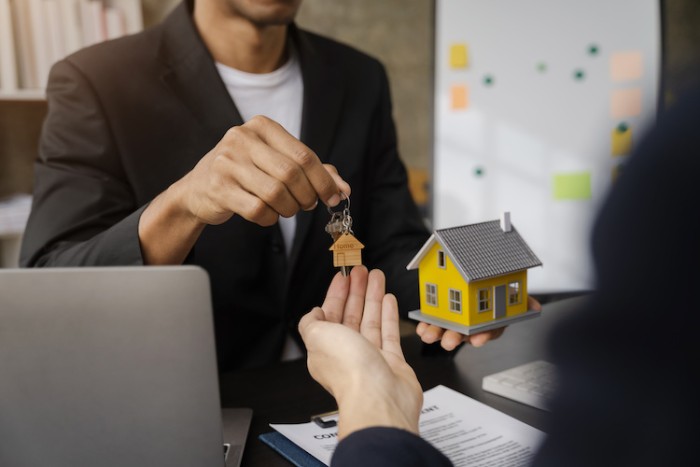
{"points": [[274, 21], [272, 13]]}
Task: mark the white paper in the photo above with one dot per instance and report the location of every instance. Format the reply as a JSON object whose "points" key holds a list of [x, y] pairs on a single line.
{"points": [[317, 441], [465, 430], [14, 213]]}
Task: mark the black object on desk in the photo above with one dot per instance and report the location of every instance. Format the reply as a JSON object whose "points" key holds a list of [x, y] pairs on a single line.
{"points": [[290, 451]]}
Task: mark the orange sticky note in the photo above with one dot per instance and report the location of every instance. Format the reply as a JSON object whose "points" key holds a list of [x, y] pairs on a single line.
{"points": [[459, 57], [626, 103], [459, 97], [626, 66], [621, 140]]}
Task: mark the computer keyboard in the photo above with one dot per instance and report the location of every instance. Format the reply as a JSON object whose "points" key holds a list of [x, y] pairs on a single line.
{"points": [[532, 383]]}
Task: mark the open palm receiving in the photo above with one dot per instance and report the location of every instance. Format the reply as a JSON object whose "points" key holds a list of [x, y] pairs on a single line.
{"points": [[354, 351]]}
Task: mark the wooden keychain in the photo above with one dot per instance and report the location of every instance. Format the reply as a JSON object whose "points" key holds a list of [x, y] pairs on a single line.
{"points": [[347, 250]]}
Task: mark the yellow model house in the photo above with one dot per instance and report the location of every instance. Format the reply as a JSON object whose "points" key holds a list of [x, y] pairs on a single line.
{"points": [[474, 278]]}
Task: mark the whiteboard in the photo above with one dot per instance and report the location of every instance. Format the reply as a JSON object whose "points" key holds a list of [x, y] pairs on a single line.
{"points": [[538, 103]]}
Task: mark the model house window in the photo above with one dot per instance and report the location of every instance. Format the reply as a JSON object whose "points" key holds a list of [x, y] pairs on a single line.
{"points": [[514, 295], [441, 259], [484, 299], [455, 301], [431, 294]]}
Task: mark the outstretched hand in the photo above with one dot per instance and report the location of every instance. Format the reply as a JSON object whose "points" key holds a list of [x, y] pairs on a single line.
{"points": [[449, 340], [257, 171], [354, 351]]}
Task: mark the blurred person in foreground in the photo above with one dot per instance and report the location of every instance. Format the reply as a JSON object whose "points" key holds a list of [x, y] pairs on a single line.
{"points": [[629, 375]]}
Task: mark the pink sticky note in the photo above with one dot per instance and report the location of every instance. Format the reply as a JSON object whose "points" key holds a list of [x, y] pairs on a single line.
{"points": [[626, 103], [626, 66]]}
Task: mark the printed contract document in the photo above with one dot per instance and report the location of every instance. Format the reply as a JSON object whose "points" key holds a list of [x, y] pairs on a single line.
{"points": [[465, 430]]}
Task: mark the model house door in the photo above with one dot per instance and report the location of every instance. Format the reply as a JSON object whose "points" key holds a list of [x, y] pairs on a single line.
{"points": [[499, 301]]}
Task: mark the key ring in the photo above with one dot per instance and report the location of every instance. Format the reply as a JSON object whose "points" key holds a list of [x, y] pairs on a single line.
{"points": [[346, 248], [345, 219], [346, 210]]}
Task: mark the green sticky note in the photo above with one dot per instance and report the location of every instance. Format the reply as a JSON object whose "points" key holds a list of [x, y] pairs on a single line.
{"points": [[572, 186]]}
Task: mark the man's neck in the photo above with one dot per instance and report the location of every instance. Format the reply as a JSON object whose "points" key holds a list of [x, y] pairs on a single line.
{"points": [[240, 44]]}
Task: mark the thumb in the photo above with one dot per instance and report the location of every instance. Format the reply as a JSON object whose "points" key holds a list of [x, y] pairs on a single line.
{"points": [[307, 321]]}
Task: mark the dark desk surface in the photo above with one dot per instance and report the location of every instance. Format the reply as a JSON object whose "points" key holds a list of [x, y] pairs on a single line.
{"points": [[285, 393]]}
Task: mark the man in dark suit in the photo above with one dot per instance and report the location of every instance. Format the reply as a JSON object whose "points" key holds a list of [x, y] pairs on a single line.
{"points": [[154, 152], [627, 360], [145, 158]]}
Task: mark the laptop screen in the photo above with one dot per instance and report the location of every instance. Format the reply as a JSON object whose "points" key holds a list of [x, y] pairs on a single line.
{"points": [[108, 366]]}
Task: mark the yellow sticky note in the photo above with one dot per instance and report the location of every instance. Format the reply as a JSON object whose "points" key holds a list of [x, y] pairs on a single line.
{"points": [[459, 97], [459, 57], [572, 186], [621, 140], [626, 66], [626, 103]]}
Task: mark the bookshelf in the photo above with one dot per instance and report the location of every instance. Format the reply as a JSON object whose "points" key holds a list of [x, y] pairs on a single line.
{"points": [[36, 33], [33, 35], [23, 95]]}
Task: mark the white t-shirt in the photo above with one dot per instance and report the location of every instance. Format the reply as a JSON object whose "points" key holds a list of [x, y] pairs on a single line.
{"points": [[279, 96]]}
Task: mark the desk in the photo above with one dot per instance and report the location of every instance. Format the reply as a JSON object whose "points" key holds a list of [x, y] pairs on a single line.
{"points": [[285, 393]]}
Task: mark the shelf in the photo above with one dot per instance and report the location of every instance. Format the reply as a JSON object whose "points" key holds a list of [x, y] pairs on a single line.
{"points": [[23, 95]]}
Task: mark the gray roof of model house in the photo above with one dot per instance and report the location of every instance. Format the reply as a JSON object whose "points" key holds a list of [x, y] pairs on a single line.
{"points": [[481, 250]]}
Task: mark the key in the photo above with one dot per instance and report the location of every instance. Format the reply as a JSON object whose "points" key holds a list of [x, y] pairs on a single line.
{"points": [[346, 248], [335, 226]]}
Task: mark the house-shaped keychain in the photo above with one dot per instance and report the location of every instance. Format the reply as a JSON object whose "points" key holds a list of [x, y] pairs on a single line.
{"points": [[347, 252], [473, 278]]}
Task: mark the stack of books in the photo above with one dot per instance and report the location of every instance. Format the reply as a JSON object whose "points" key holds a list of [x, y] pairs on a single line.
{"points": [[36, 33], [14, 213]]}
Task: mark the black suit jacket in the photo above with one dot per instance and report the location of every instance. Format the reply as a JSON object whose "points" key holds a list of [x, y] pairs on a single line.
{"points": [[386, 447], [129, 117]]}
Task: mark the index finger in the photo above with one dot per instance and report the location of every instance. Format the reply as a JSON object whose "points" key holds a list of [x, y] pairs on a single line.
{"points": [[277, 137], [334, 304]]}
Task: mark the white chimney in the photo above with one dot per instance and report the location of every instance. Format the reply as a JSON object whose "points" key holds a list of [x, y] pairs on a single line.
{"points": [[505, 221]]}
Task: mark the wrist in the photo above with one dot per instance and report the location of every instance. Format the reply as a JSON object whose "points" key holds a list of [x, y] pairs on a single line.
{"points": [[166, 231], [177, 202], [367, 406]]}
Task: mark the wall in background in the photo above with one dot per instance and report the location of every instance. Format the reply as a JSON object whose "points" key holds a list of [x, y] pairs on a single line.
{"points": [[682, 59], [398, 32]]}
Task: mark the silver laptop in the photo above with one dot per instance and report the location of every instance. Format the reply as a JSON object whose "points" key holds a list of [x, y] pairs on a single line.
{"points": [[111, 367]]}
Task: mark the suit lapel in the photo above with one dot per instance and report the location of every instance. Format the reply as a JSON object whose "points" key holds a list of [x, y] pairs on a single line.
{"points": [[323, 99], [189, 71]]}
